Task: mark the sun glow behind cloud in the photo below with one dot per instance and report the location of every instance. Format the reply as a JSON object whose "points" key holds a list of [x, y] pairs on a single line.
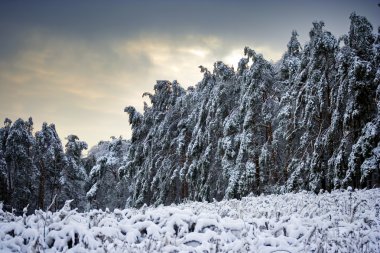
{"points": [[63, 80]]}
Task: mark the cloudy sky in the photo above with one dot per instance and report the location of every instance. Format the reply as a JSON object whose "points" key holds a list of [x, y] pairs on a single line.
{"points": [[79, 63]]}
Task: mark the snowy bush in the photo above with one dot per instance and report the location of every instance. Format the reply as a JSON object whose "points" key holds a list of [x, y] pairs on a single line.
{"points": [[340, 221]]}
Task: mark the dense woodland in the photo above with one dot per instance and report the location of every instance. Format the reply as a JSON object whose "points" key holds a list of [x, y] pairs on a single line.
{"points": [[308, 122]]}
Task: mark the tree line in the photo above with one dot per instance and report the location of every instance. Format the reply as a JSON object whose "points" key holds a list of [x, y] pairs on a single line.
{"points": [[308, 122]]}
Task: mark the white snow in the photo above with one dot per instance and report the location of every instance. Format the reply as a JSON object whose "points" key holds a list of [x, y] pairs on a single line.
{"points": [[341, 221]]}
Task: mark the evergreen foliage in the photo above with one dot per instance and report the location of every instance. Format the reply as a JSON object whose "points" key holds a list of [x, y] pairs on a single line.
{"points": [[106, 189], [36, 172], [309, 122], [51, 161]]}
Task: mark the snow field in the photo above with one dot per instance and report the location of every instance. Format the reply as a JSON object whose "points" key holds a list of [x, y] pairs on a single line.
{"points": [[341, 221]]}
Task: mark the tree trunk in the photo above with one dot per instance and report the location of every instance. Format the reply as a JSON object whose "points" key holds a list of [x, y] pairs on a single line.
{"points": [[257, 174], [41, 193]]}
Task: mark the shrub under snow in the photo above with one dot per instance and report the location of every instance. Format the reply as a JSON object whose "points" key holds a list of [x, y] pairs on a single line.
{"points": [[341, 221]]}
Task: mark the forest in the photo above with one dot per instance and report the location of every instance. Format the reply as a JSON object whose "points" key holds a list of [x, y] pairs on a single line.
{"points": [[309, 122]]}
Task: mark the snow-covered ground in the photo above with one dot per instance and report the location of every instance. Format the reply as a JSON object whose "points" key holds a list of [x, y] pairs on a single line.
{"points": [[341, 221]]}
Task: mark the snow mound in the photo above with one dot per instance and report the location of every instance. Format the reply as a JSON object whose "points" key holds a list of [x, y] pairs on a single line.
{"points": [[341, 221]]}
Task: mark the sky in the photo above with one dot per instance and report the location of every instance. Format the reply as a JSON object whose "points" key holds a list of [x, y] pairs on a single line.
{"points": [[79, 63]]}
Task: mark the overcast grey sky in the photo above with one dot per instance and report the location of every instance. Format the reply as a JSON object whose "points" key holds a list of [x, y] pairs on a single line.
{"points": [[79, 63]]}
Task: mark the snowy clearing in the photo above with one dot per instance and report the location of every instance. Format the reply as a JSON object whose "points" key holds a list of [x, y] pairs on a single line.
{"points": [[341, 221]]}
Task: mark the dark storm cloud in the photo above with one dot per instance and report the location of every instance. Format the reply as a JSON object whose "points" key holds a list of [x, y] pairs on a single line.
{"points": [[264, 21]]}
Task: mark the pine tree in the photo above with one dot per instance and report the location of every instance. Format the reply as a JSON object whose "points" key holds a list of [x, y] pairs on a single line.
{"points": [[312, 111], [284, 134], [51, 160], [361, 116], [74, 176], [21, 170], [5, 179], [107, 189]]}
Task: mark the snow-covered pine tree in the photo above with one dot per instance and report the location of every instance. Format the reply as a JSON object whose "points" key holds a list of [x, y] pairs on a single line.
{"points": [[22, 174], [312, 111], [5, 179], [74, 175], [284, 136], [152, 159], [106, 188], [202, 170], [361, 118], [50, 160]]}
